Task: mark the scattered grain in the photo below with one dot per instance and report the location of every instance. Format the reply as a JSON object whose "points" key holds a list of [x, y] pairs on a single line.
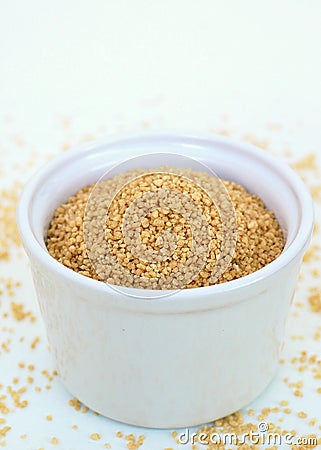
{"points": [[298, 393], [75, 403], [34, 343], [4, 431], [315, 299], [134, 443], [95, 436], [284, 402], [308, 162], [9, 235], [312, 254]]}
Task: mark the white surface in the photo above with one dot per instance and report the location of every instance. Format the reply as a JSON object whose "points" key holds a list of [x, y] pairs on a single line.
{"points": [[113, 66]]}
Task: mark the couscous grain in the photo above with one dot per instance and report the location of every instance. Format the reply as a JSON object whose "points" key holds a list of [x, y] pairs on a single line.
{"points": [[121, 230]]}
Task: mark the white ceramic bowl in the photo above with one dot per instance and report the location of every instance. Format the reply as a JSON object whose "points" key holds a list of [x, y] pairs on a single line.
{"points": [[177, 360]]}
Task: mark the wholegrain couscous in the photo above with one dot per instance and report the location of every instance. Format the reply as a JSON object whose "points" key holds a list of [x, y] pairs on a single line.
{"points": [[163, 229]]}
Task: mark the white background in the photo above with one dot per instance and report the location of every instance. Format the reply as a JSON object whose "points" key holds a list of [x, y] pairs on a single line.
{"points": [[73, 70]]}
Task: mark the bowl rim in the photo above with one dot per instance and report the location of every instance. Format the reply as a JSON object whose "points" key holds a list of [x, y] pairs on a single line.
{"points": [[298, 245]]}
